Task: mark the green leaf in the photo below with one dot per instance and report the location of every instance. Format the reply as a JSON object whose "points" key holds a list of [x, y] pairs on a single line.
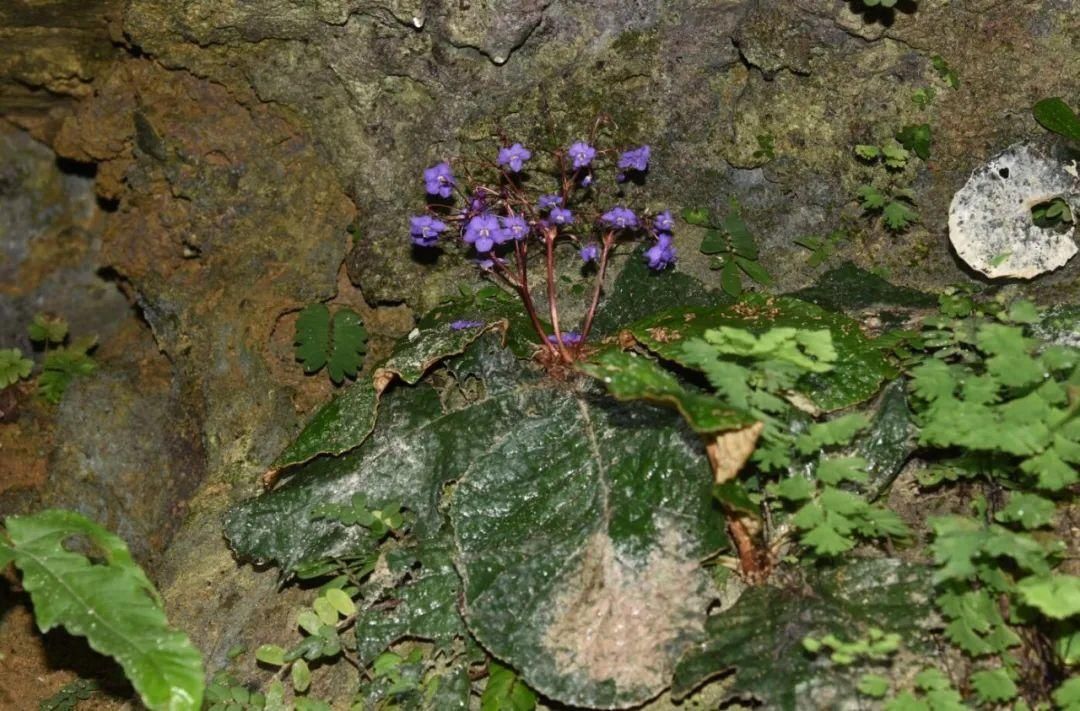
{"points": [[898, 215], [856, 374], [993, 685], [697, 216], [741, 239], [629, 376], [1067, 696], [714, 242], [871, 197], [895, 155], [505, 691], [337, 343], [1056, 595], [916, 138], [761, 636], [831, 433], [301, 676], [425, 605], [873, 685], [62, 366], [867, 152], [13, 367], [1055, 115], [111, 603], [270, 654], [754, 270], [729, 278], [1029, 510], [341, 601], [47, 329]]}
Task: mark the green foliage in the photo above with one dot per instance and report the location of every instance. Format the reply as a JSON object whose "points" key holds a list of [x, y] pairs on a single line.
{"points": [[894, 206], [1052, 214], [47, 329], [917, 139], [934, 692], [734, 250], [945, 72], [876, 645], [766, 147], [831, 519], [69, 696], [763, 636], [505, 691], [337, 342], [1055, 115], [107, 599], [13, 367], [923, 97], [821, 248], [63, 365]]}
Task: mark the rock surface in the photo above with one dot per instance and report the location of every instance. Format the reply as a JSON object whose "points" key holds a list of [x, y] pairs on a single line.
{"points": [[236, 145]]}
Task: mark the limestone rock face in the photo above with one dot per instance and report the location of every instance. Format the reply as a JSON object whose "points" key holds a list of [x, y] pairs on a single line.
{"points": [[244, 151]]}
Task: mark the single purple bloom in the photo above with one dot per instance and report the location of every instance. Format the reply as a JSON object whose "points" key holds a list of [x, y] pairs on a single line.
{"points": [[570, 338], [587, 180], [661, 255], [620, 218], [582, 153], [635, 159], [513, 157], [482, 232], [590, 252], [462, 324], [425, 230], [561, 216], [515, 227], [477, 203], [439, 180], [546, 202], [664, 221]]}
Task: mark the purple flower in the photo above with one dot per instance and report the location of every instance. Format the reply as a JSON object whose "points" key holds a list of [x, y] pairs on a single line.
{"points": [[461, 325], [513, 157], [582, 153], [664, 222], [515, 227], [570, 338], [590, 252], [620, 218], [635, 159], [483, 232], [661, 255], [546, 202], [587, 180], [439, 180], [561, 216], [425, 230]]}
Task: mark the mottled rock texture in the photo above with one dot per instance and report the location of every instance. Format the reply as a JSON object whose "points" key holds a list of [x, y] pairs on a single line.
{"points": [[238, 144]]}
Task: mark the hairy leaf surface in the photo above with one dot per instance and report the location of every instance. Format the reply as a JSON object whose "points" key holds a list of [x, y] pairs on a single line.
{"points": [[761, 637]]}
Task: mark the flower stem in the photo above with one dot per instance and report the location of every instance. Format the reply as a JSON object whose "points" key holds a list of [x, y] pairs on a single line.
{"points": [[608, 242], [520, 253], [549, 243]]}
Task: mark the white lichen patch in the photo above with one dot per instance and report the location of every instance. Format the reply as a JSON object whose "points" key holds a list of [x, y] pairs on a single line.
{"points": [[626, 620], [990, 223]]}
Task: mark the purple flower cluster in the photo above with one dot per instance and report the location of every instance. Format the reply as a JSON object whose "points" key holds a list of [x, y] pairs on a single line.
{"points": [[662, 254]]}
